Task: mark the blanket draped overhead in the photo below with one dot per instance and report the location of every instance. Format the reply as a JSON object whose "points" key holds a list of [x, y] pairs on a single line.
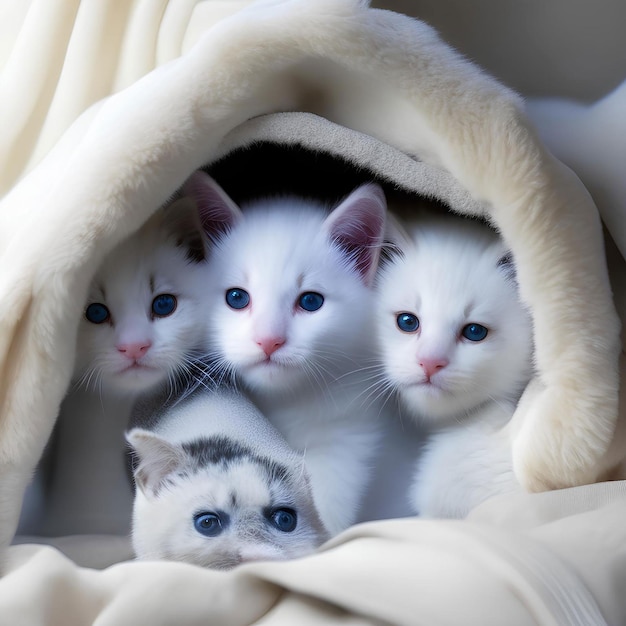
{"points": [[106, 109]]}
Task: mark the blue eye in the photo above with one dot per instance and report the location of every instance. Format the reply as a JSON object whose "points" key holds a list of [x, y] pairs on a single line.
{"points": [[164, 305], [208, 524], [97, 313], [285, 520], [474, 332], [311, 301], [237, 298], [407, 322]]}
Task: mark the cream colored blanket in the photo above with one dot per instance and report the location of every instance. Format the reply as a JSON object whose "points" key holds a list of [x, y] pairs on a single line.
{"points": [[107, 108], [555, 559]]}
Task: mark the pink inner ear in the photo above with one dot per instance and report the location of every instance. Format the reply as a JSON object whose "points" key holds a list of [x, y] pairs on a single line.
{"points": [[218, 213], [358, 226]]}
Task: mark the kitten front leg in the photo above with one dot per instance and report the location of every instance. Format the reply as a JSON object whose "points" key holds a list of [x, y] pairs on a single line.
{"points": [[339, 466], [464, 465]]}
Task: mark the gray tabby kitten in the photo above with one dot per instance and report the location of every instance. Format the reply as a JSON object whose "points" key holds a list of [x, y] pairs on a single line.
{"points": [[217, 485]]}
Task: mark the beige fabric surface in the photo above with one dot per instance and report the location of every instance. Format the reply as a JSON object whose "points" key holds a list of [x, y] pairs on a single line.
{"points": [[59, 58], [80, 172], [518, 560]]}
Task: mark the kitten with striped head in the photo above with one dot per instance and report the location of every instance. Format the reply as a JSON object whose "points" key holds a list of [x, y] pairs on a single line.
{"points": [[217, 485]]}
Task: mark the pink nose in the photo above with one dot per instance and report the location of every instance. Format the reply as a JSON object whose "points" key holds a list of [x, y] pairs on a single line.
{"points": [[134, 350], [432, 366], [269, 345]]}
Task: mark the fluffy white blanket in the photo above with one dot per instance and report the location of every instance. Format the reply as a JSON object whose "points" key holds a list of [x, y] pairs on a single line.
{"points": [[107, 109]]}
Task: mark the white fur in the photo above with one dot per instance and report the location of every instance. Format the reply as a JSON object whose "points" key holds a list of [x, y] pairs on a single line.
{"points": [[449, 276], [313, 388], [465, 464], [172, 488], [151, 262], [88, 490], [126, 155]]}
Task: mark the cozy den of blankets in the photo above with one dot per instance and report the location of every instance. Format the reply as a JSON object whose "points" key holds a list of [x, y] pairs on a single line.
{"points": [[316, 98]]}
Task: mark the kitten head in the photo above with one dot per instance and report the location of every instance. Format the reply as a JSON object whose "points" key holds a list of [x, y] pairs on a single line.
{"points": [[140, 321], [452, 331], [216, 503], [291, 283]]}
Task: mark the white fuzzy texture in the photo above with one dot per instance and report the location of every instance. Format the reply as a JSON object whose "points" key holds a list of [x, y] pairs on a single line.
{"points": [[463, 465], [173, 488], [88, 489], [450, 275], [313, 387], [152, 262], [94, 178]]}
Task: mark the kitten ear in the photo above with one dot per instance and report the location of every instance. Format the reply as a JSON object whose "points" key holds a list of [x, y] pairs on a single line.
{"points": [[507, 265], [157, 459], [218, 213], [182, 221], [397, 238], [357, 225]]}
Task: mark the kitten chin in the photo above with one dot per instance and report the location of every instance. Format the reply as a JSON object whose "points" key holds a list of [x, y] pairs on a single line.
{"points": [[270, 377], [133, 380]]}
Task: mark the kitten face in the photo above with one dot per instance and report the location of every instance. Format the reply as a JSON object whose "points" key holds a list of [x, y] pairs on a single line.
{"points": [[141, 318], [225, 512], [292, 284], [452, 331], [304, 303]]}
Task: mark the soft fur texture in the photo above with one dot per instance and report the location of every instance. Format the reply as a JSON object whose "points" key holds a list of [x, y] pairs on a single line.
{"points": [[134, 348], [465, 465], [215, 454], [85, 487], [300, 362], [456, 346], [450, 274], [76, 187]]}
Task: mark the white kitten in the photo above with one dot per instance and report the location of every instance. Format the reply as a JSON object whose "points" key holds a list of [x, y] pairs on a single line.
{"points": [[141, 327], [217, 485], [292, 321], [456, 345]]}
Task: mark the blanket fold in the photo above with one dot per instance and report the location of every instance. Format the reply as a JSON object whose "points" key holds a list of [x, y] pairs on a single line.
{"points": [[481, 571]]}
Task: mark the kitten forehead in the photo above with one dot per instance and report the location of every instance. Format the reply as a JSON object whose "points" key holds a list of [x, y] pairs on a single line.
{"points": [[219, 450], [130, 273], [293, 241], [447, 262], [238, 485]]}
